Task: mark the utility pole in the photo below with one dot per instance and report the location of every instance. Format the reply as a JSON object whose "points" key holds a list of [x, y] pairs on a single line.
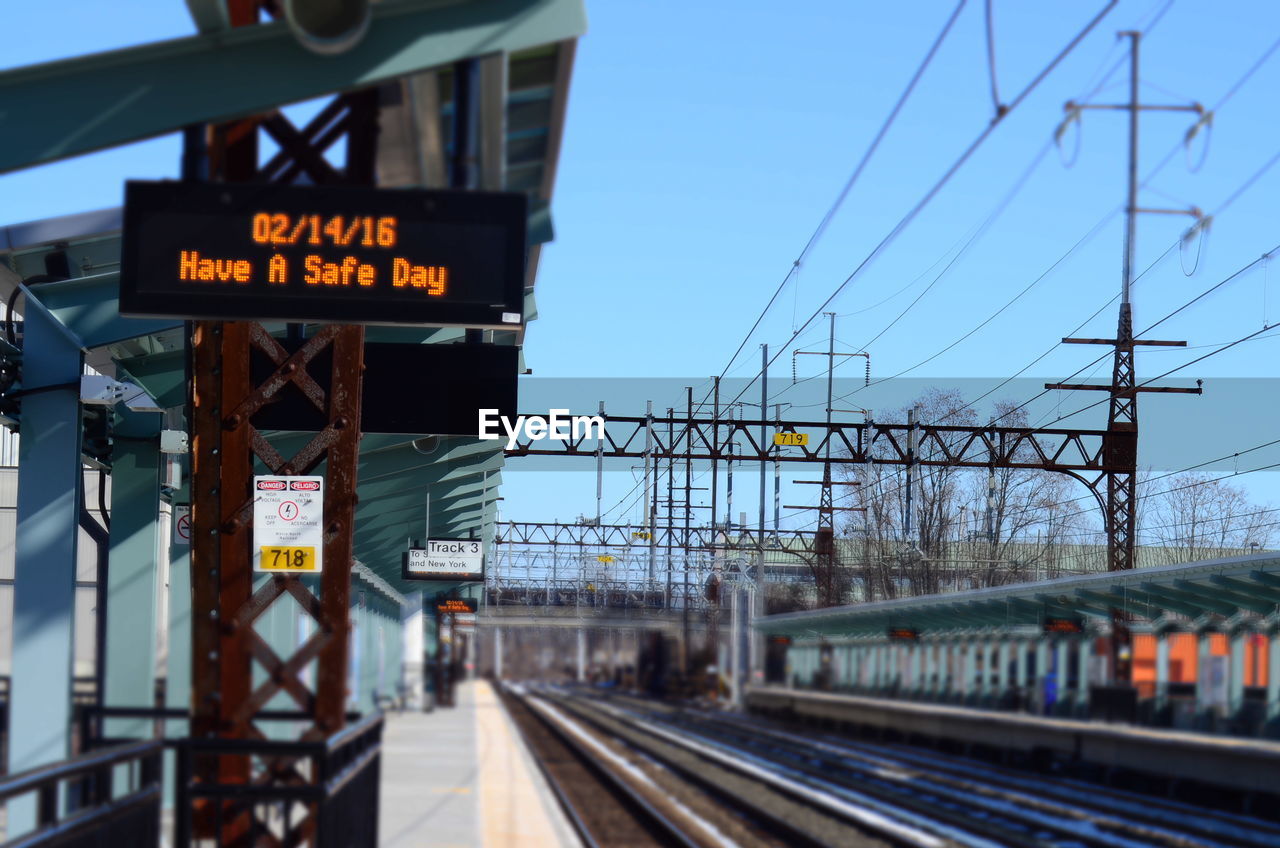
{"points": [[991, 520], [650, 493], [684, 546], [1121, 445], [671, 470], [824, 543], [715, 444], [728, 483], [757, 640], [911, 458], [600, 474], [777, 478]]}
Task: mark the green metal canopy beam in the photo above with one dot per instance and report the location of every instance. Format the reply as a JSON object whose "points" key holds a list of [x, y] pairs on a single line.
{"points": [[399, 513], [1170, 599], [1120, 601], [1203, 595], [90, 307], [59, 109], [1223, 586], [1244, 587], [1243, 600]]}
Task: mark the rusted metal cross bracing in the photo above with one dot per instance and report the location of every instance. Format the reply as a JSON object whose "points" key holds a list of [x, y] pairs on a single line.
{"points": [[226, 447]]}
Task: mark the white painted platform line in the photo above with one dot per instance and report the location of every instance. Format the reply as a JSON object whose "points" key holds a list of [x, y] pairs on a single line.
{"points": [[517, 808]]}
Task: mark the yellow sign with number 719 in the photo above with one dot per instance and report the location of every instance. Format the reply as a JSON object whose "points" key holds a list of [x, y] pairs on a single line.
{"points": [[288, 559], [789, 438]]}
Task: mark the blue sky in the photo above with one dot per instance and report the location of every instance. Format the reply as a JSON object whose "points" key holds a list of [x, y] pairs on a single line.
{"points": [[705, 141]]}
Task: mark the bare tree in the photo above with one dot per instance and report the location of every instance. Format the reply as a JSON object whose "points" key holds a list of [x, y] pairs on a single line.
{"points": [[1018, 509], [968, 527], [1198, 516], [907, 530]]}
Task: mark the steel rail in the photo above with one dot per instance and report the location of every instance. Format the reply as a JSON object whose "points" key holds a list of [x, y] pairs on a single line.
{"points": [[903, 834], [1045, 808], [641, 809]]}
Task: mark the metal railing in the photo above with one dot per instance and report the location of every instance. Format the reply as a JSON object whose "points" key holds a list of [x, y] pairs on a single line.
{"points": [[85, 801], [325, 791]]}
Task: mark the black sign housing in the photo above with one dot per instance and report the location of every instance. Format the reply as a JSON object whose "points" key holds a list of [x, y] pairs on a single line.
{"points": [[407, 388], [338, 254]]}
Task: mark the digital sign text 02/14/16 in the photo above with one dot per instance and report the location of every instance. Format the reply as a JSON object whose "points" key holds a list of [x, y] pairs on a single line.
{"points": [[279, 228], [316, 271]]}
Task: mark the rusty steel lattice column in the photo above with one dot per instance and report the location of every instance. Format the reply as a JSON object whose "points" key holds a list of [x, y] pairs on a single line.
{"points": [[1121, 447], [226, 447]]}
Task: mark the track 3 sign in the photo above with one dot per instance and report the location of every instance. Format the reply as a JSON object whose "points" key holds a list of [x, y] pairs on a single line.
{"points": [[288, 522], [445, 559], [337, 253]]}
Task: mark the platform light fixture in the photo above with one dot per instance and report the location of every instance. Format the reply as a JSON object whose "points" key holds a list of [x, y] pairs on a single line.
{"points": [[328, 27]]}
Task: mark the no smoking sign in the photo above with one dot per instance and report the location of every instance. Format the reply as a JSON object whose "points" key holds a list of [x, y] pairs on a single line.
{"points": [[181, 526], [288, 518]]}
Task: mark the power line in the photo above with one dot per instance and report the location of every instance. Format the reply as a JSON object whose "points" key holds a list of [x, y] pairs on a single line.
{"points": [[1231, 92], [982, 229], [1091, 90], [950, 172], [885, 126]]}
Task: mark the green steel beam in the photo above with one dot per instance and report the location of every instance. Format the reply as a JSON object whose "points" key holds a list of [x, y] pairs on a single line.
{"points": [[45, 544], [1168, 599], [1120, 601], [1202, 595], [163, 375], [405, 519], [1252, 599], [1256, 590], [59, 109], [90, 308], [1266, 578], [133, 572]]}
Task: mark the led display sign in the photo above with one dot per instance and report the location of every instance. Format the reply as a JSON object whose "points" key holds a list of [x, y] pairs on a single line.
{"points": [[1064, 626], [456, 605], [904, 634], [335, 253]]}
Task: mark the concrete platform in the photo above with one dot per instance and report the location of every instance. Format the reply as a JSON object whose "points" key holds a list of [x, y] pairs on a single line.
{"points": [[462, 778]]}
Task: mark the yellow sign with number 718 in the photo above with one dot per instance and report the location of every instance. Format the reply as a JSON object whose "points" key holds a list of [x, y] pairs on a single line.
{"points": [[288, 559]]}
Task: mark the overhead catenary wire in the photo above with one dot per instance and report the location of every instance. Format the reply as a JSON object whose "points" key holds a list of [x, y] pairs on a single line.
{"points": [[958, 341], [1091, 89], [1195, 299], [946, 177], [1001, 113], [885, 126], [1155, 171], [1231, 199]]}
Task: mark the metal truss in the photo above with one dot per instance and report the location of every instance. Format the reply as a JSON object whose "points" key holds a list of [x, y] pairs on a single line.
{"points": [[226, 444], [1068, 450], [516, 534]]}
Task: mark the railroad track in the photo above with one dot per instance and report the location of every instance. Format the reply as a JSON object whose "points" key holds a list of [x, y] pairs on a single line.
{"points": [[906, 795], [640, 792], [604, 809]]}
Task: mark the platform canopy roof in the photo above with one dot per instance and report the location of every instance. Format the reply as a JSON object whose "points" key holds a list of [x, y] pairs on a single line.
{"points": [[1218, 594], [66, 108]]}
